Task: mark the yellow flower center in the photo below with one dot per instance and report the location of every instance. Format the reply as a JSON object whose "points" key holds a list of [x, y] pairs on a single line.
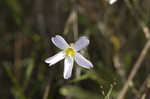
{"points": [[70, 51]]}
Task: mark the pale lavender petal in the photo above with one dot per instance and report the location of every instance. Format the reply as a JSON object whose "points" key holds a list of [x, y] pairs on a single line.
{"points": [[112, 1], [68, 65], [82, 61], [81, 43], [59, 42], [56, 58]]}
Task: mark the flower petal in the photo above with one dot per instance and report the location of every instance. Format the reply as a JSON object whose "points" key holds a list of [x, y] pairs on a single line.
{"points": [[81, 43], [68, 65], [56, 58], [112, 1], [59, 42], [82, 61]]}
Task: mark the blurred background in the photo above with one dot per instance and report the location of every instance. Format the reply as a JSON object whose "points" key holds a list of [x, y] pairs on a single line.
{"points": [[119, 49]]}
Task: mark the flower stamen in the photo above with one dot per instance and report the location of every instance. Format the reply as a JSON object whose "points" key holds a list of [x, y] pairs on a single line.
{"points": [[70, 51]]}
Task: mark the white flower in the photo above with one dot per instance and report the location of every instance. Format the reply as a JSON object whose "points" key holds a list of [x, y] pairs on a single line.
{"points": [[70, 54], [112, 1]]}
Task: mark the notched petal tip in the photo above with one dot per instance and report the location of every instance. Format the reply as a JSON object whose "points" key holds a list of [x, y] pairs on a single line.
{"points": [[91, 66], [56, 58], [82, 61], [52, 39], [87, 67], [59, 42], [46, 60], [112, 1], [58, 36], [86, 38], [50, 64]]}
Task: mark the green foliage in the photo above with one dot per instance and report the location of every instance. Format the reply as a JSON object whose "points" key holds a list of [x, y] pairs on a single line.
{"points": [[16, 89], [15, 10], [109, 93], [116, 33], [78, 93]]}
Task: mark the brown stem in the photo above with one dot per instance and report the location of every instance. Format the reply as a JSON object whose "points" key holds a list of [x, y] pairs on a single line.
{"points": [[134, 70]]}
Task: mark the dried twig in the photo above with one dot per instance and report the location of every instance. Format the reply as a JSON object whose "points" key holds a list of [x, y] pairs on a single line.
{"points": [[75, 31], [143, 96], [142, 55], [135, 68], [70, 20], [47, 88]]}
